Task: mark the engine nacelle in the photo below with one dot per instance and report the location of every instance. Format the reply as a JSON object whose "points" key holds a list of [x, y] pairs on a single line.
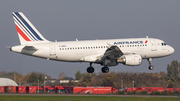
{"points": [[131, 60]]}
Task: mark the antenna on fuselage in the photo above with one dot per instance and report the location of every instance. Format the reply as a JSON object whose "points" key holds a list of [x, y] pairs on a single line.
{"points": [[76, 39], [147, 36]]}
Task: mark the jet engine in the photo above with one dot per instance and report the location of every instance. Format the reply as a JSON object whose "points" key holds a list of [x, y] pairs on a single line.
{"points": [[131, 60]]}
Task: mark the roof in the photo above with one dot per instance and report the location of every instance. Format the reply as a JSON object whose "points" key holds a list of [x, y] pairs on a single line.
{"points": [[7, 82]]}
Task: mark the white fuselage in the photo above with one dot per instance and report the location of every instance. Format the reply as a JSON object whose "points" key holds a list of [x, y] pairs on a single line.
{"points": [[75, 51], [105, 52]]}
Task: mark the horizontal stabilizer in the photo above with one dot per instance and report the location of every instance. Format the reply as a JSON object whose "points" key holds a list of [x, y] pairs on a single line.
{"points": [[30, 48]]}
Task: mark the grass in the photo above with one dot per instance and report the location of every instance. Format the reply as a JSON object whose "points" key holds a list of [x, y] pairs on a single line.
{"points": [[81, 98]]}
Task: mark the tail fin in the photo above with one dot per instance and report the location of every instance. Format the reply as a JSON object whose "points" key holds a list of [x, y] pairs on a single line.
{"points": [[26, 31]]}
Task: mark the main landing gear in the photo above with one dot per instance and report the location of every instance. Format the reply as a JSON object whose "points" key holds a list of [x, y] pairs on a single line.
{"points": [[104, 69], [90, 69], [150, 66]]}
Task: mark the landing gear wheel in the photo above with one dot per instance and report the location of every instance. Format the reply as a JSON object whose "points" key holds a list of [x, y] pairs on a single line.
{"points": [[151, 67], [105, 69], [90, 69]]}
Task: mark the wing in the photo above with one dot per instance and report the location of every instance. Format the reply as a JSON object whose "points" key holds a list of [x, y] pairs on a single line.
{"points": [[112, 52], [110, 56]]}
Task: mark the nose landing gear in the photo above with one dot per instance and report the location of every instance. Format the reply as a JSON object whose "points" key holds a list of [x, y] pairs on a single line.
{"points": [[150, 66]]}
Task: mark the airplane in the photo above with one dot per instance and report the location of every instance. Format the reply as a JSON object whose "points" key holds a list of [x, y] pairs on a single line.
{"points": [[108, 52]]}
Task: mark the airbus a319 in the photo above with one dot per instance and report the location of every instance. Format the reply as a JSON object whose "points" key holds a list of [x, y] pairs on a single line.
{"points": [[107, 53]]}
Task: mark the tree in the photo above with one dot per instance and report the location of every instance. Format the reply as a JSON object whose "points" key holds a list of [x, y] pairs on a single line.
{"points": [[78, 75], [61, 76], [68, 78], [86, 79], [41, 78], [32, 78], [179, 69], [172, 70], [3, 73]]}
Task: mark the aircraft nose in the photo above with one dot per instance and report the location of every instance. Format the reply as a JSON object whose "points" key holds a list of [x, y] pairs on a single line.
{"points": [[171, 50]]}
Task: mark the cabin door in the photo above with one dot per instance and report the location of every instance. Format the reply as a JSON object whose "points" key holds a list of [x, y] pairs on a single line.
{"points": [[153, 45]]}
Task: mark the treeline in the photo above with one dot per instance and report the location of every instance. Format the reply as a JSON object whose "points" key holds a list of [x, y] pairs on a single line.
{"points": [[125, 79], [171, 79], [29, 79]]}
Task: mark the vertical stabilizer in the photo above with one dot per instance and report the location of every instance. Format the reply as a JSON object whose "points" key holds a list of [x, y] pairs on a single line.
{"points": [[26, 31]]}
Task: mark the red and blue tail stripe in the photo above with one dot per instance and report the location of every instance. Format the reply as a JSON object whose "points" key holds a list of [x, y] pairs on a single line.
{"points": [[22, 33], [25, 28]]}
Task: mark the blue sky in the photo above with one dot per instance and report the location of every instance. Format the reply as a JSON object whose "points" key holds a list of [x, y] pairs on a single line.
{"points": [[66, 20]]}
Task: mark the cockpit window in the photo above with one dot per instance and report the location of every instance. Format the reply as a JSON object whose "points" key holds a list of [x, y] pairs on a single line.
{"points": [[163, 44]]}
